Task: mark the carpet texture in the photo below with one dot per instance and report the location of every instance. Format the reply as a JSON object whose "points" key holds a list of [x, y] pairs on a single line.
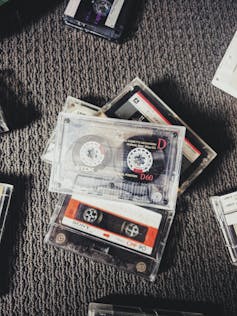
{"points": [[175, 46]]}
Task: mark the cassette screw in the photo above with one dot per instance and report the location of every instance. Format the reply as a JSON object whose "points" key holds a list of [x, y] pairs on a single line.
{"points": [[60, 238], [141, 267]]}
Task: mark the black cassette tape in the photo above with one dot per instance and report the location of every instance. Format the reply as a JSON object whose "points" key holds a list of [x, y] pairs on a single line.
{"points": [[137, 102], [5, 197], [98, 309], [119, 160], [125, 235], [106, 18]]}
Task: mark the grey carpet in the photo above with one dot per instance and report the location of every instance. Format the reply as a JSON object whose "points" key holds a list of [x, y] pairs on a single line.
{"points": [[176, 49]]}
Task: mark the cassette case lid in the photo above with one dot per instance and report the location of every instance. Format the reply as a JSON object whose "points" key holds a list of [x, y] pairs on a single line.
{"points": [[225, 208], [138, 102], [127, 161]]}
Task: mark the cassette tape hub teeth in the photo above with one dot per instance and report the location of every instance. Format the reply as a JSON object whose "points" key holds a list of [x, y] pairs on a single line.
{"points": [[102, 7], [131, 230], [91, 151], [92, 215], [91, 154], [139, 159]]}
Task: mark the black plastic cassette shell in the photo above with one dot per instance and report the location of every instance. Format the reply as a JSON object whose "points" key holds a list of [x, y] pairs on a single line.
{"points": [[114, 34], [207, 153]]}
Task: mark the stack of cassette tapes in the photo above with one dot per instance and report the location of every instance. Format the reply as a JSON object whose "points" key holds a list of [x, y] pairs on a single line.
{"points": [[97, 309], [5, 198], [118, 179], [225, 208]]}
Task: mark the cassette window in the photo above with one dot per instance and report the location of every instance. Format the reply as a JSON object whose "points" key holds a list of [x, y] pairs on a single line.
{"points": [[106, 18], [115, 159], [72, 105], [125, 235], [138, 102], [225, 208]]}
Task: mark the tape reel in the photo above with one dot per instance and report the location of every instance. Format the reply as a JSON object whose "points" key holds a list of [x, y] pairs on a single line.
{"points": [[144, 158], [91, 153]]}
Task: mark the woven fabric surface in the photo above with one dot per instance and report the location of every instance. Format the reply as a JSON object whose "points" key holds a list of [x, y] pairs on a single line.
{"points": [[175, 46]]}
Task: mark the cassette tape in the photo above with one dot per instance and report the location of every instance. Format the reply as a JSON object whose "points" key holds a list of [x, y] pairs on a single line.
{"points": [[106, 18], [115, 159], [225, 208], [5, 197], [72, 105], [225, 77], [98, 309], [138, 102], [127, 236]]}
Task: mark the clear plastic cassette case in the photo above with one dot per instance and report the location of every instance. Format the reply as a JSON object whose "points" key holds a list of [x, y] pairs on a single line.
{"points": [[127, 236], [115, 159], [72, 105], [98, 309], [225, 208], [5, 198], [137, 102]]}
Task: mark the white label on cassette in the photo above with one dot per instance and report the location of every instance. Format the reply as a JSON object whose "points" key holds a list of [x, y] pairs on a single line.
{"points": [[143, 105], [226, 75], [114, 13], [130, 226], [72, 7]]}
